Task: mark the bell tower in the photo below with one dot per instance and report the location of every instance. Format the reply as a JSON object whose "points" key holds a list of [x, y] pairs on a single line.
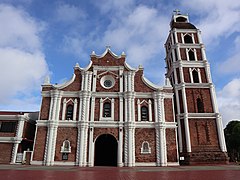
{"points": [[200, 131]]}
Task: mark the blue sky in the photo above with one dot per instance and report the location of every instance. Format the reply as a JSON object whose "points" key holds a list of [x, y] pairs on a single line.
{"points": [[42, 37]]}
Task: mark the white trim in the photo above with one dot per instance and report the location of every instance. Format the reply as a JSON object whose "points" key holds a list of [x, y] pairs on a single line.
{"points": [[145, 151], [145, 164], [63, 149], [150, 84], [173, 164], [105, 52], [61, 86], [101, 118], [10, 139], [24, 155], [65, 163], [128, 67], [36, 163]]}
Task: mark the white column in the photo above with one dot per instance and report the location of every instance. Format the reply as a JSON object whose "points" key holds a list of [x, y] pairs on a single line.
{"points": [[91, 148], [121, 109], [214, 99], [150, 110], [199, 36], [112, 108], [49, 144], [75, 110], [179, 134], [92, 109], [221, 137], [14, 152], [193, 38], [186, 124], [204, 57], [131, 146], [120, 147], [121, 79], [101, 108], [208, 73], [139, 110], [18, 135], [187, 133], [163, 160], [64, 109], [81, 147], [158, 145], [94, 80]]}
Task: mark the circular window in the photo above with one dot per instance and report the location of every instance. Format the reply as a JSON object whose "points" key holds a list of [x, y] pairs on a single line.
{"points": [[107, 81]]}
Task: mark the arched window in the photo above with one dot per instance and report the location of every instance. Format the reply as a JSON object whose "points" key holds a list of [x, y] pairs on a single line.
{"points": [[145, 149], [200, 106], [69, 114], [144, 113], [188, 39], [191, 55], [66, 148], [181, 19], [195, 76], [107, 109]]}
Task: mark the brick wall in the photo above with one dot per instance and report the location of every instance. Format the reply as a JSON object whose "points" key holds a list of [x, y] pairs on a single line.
{"points": [[100, 131], [6, 152], [76, 84], [139, 85], [45, 107], [66, 133], [142, 135], [196, 38], [193, 94], [199, 55], [203, 75], [203, 134], [171, 145], [108, 60], [168, 109], [183, 54], [186, 75], [40, 142], [179, 37]]}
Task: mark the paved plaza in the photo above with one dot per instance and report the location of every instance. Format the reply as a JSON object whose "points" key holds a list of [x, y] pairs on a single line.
{"points": [[24, 172]]}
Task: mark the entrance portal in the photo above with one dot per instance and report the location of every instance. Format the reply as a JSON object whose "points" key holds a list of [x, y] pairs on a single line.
{"points": [[106, 150]]}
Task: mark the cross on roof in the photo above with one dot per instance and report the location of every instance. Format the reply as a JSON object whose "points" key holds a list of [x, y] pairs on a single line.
{"points": [[176, 11]]}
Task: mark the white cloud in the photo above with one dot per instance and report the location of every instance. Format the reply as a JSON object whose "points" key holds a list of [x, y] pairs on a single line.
{"points": [[18, 29], [22, 63], [232, 64], [138, 33], [69, 13], [119, 7], [216, 18], [229, 101]]}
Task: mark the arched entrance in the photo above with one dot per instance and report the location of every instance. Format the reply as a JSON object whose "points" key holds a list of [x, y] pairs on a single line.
{"points": [[106, 150]]}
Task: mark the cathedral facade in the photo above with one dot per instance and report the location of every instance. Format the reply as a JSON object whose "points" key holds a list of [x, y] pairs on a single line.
{"points": [[109, 114]]}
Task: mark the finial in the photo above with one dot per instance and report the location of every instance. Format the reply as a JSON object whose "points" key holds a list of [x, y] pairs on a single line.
{"points": [[140, 67], [177, 11], [123, 54], [77, 65], [47, 80], [108, 47], [167, 82], [93, 53]]}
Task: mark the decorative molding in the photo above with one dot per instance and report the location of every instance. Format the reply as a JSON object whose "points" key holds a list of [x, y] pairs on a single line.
{"points": [[145, 164]]}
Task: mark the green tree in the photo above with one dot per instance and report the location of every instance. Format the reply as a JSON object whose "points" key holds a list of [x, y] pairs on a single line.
{"points": [[232, 136]]}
